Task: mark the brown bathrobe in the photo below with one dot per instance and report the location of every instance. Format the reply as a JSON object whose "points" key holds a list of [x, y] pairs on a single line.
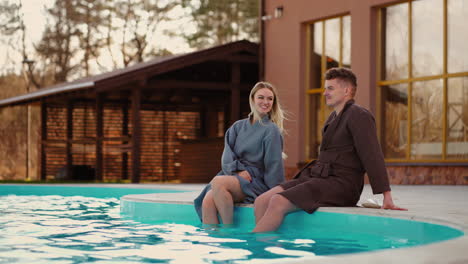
{"points": [[349, 149]]}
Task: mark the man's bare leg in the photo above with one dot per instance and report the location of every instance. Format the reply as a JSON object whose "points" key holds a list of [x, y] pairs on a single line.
{"points": [[226, 191], [209, 212], [277, 208], [262, 201]]}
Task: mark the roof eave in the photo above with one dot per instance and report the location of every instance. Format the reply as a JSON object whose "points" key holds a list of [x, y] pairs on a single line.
{"points": [[36, 95]]}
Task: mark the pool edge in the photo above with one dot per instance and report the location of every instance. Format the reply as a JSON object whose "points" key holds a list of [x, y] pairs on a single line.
{"points": [[448, 251]]}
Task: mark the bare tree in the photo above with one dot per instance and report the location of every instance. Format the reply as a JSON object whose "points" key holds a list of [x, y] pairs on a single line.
{"points": [[58, 43], [10, 26], [13, 31], [10, 22], [139, 20], [91, 20], [80, 33]]}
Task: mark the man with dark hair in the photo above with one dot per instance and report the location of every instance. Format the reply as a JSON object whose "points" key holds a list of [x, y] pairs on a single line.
{"points": [[349, 149]]}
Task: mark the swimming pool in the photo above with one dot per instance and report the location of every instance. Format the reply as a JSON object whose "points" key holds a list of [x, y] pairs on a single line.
{"points": [[52, 224], [332, 233]]}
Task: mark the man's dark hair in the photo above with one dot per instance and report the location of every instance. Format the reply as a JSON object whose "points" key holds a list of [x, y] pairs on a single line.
{"points": [[343, 74]]}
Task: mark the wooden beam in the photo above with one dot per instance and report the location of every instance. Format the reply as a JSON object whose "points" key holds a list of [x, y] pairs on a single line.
{"points": [[124, 171], [69, 135], [235, 92], [174, 84], [211, 122], [98, 173], [241, 58], [165, 140], [136, 135], [195, 85], [43, 157], [203, 121]]}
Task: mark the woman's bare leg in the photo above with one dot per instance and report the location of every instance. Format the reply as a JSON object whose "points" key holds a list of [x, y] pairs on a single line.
{"points": [[226, 191], [277, 208], [209, 212], [261, 203]]}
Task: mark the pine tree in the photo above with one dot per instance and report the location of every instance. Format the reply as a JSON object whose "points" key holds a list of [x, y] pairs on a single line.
{"points": [[222, 21]]}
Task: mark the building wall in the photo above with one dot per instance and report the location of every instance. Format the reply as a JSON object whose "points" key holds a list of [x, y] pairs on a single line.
{"points": [[285, 57], [284, 39]]}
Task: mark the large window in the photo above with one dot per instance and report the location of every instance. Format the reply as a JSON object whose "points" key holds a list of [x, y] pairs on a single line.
{"points": [[423, 81], [328, 45]]}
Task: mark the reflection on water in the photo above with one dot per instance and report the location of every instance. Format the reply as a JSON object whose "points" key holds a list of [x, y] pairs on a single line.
{"points": [[56, 229]]}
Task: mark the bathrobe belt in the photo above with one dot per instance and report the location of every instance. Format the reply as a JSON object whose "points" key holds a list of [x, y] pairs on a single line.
{"points": [[323, 167]]}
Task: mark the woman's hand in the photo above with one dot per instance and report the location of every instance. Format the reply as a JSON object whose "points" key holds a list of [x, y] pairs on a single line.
{"points": [[388, 202], [245, 175]]}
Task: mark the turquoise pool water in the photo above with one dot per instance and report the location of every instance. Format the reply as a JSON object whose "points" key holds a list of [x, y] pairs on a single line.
{"points": [[330, 233], [68, 190], [63, 224]]}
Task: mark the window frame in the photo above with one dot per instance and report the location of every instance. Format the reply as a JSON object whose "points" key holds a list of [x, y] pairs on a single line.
{"points": [[410, 80]]}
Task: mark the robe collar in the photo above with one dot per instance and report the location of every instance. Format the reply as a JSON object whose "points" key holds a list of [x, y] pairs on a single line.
{"points": [[332, 123], [264, 119]]}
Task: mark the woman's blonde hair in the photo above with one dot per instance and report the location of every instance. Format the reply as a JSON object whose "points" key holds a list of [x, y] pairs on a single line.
{"points": [[276, 114]]}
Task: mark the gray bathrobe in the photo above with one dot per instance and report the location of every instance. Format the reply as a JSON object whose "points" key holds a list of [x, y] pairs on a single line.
{"points": [[256, 148]]}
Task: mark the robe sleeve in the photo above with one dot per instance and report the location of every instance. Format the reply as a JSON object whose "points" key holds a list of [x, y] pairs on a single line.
{"points": [[273, 159], [364, 133], [229, 160]]}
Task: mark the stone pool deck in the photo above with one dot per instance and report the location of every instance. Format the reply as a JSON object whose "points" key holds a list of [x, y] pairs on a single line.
{"points": [[447, 205]]}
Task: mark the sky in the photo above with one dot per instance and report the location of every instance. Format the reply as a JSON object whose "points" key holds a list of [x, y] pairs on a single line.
{"points": [[35, 22], [34, 16]]}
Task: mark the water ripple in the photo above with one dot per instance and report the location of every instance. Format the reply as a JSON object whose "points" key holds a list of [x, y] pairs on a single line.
{"points": [[75, 229]]}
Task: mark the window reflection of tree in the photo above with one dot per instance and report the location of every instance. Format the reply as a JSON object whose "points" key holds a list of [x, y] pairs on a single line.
{"points": [[427, 119], [427, 37], [396, 112], [395, 23], [457, 111]]}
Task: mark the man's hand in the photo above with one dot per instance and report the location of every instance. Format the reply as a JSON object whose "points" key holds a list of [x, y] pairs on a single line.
{"points": [[245, 175], [388, 202]]}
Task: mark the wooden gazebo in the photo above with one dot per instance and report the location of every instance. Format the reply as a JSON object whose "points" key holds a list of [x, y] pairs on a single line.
{"points": [[138, 123]]}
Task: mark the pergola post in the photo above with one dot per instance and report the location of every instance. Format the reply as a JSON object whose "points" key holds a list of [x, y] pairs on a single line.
{"points": [[136, 133], [98, 173], [43, 140], [124, 172], [235, 92], [69, 135], [208, 121], [165, 134]]}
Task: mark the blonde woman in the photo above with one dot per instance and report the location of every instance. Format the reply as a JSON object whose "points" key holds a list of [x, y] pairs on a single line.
{"points": [[252, 160]]}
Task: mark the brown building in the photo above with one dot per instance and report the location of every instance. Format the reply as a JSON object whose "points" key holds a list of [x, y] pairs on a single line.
{"points": [[412, 67], [161, 120]]}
